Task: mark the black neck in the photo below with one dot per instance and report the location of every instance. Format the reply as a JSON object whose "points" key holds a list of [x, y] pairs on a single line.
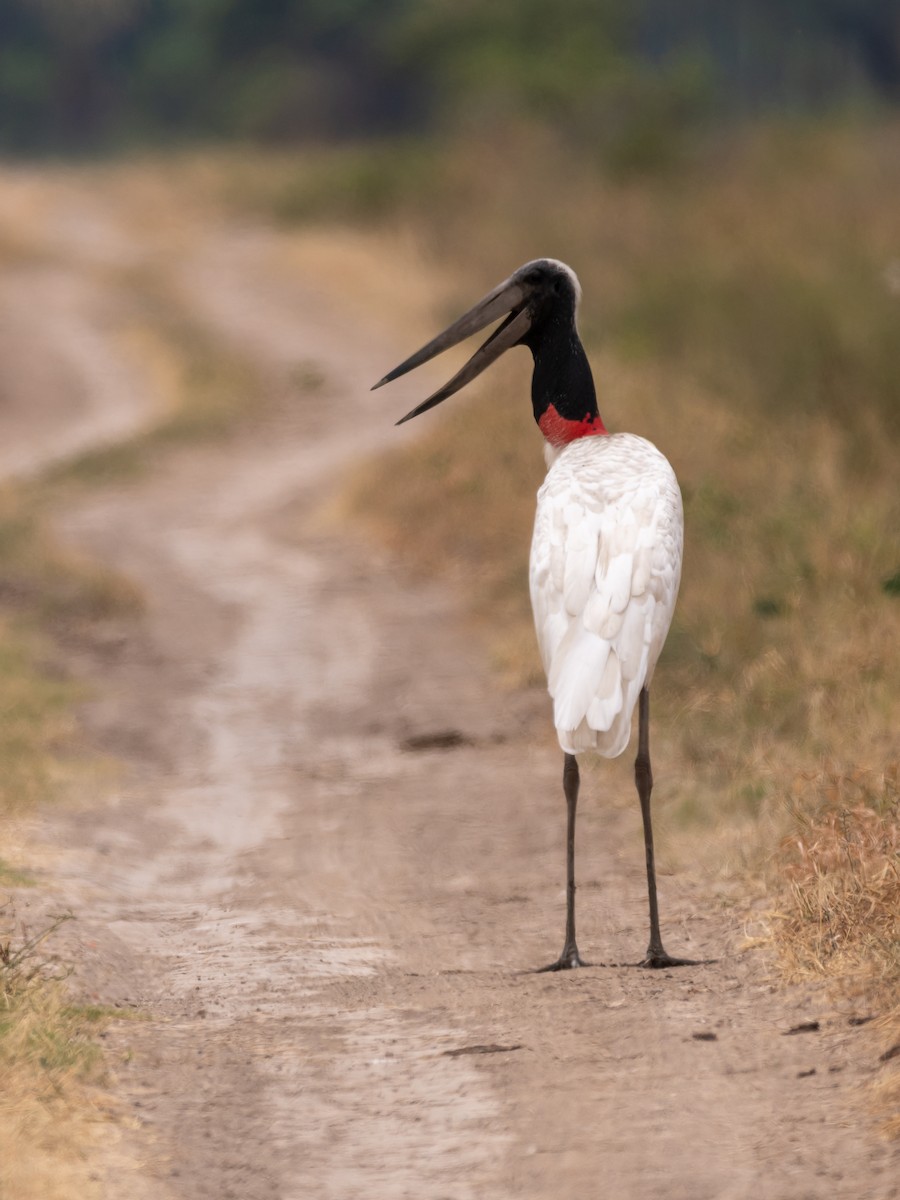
{"points": [[562, 375]]}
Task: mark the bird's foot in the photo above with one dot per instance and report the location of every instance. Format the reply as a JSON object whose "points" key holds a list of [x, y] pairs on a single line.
{"points": [[567, 961], [658, 960]]}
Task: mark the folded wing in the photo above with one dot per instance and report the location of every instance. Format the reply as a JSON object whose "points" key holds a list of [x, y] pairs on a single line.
{"points": [[605, 569]]}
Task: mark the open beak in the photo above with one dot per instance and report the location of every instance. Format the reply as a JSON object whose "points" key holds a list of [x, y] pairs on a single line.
{"points": [[508, 298]]}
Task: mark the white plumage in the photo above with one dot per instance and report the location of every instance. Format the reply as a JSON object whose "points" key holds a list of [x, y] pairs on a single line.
{"points": [[605, 568]]}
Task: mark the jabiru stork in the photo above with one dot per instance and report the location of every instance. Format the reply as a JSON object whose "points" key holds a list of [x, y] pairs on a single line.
{"points": [[606, 552]]}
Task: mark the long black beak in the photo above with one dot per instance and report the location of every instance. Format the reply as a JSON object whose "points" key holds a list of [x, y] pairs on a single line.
{"points": [[508, 298]]}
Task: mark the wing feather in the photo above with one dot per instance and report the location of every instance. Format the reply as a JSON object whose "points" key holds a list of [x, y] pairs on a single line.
{"points": [[605, 568]]}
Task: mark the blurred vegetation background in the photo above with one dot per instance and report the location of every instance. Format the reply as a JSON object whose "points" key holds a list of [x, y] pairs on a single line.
{"points": [[80, 75]]}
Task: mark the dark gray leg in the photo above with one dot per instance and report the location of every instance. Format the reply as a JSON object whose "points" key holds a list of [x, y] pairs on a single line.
{"points": [[570, 956], [643, 778]]}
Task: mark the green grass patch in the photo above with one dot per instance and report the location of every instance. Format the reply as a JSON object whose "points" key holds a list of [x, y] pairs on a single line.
{"points": [[210, 393], [359, 184], [14, 877], [40, 581], [36, 724]]}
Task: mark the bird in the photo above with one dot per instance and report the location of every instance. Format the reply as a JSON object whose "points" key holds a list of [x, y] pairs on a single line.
{"points": [[606, 551]]}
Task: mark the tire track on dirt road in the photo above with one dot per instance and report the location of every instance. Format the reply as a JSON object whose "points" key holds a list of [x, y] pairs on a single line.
{"points": [[66, 387], [251, 641], [314, 916]]}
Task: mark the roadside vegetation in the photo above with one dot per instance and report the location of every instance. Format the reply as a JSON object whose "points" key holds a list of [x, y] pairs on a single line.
{"points": [[741, 311], [50, 1104], [48, 1056]]}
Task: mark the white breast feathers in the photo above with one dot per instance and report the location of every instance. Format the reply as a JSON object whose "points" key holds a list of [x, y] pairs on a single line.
{"points": [[605, 568]]}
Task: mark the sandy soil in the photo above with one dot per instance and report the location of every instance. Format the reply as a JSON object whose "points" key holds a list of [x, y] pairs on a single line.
{"points": [[327, 915]]}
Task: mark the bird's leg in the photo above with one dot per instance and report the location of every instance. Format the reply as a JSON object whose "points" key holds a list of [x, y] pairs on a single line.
{"points": [[643, 778], [570, 956]]}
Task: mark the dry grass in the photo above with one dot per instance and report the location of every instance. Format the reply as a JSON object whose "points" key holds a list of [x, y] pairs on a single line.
{"points": [[840, 914], [42, 580], [50, 1065], [45, 591], [36, 725], [843, 864]]}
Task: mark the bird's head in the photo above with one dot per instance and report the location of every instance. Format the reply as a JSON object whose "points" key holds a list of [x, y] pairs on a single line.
{"points": [[538, 292]]}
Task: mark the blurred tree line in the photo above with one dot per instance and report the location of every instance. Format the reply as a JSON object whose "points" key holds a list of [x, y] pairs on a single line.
{"points": [[89, 74]]}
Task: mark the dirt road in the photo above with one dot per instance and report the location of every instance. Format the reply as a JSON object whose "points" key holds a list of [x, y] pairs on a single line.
{"points": [[326, 915]]}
